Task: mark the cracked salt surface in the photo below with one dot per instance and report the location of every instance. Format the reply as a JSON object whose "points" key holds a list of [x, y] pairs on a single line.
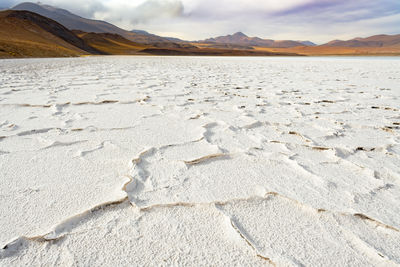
{"points": [[200, 161]]}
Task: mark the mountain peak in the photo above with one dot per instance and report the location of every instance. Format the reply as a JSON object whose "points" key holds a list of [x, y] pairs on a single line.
{"points": [[240, 34]]}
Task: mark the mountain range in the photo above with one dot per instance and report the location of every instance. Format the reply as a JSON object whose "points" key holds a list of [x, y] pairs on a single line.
{"points": [[28, 34], [240, 38], [33, 29], [75, 22], [373, 41]]}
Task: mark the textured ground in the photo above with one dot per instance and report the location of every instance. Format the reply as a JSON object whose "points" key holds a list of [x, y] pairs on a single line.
{"points": [[200, 161]]}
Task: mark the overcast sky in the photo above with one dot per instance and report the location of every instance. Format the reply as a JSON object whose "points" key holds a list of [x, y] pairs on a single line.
{"points": [[315, 20]]}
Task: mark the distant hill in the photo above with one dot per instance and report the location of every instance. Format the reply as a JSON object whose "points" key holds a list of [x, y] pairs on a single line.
{"points": [[173, 42], [240, 38], [110, 43], [307, 43], [176, 40], [27, 34], [75, 22], [141, 32], [373, 41]]}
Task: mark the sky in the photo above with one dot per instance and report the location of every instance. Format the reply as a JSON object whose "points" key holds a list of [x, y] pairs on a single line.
{"points": [[315, 20]]}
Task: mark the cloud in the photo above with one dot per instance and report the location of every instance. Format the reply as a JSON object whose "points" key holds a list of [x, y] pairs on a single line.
{"points": [[7, 3], [232, 8], [157, 8], [85, 8], [143, 12]]}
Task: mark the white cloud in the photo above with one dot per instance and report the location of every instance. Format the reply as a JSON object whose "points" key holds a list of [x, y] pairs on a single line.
{"points": [[226, 8], [140, 11]]}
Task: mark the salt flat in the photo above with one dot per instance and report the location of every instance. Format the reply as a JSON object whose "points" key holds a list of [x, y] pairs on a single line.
{"points": [[200, 161]]}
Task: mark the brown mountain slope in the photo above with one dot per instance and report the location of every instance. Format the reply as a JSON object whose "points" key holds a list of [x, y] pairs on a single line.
{"points": [[74, 22], [373, 41], [240, 38], [26, 34], [111, 44]]}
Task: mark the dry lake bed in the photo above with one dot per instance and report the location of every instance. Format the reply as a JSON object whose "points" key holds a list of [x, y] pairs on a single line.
{"points": [[200, 161]]}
